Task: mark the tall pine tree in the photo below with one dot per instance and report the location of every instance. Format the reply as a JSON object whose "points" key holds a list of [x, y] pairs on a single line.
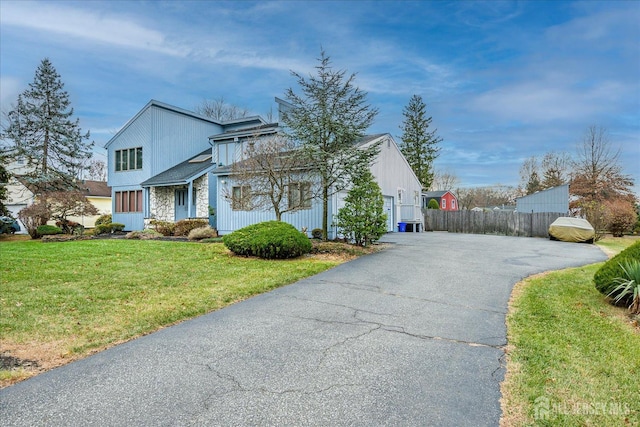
{"points": [[327, 118], [44, 134], [419, 145]]}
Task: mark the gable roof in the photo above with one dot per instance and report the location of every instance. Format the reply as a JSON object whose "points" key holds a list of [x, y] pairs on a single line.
{"points": [[228, 169], [182, 173], [158, 104], [436, 194], [96, 188], [259, 130]]}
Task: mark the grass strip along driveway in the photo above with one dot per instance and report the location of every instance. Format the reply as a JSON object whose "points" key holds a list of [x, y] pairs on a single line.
{"points": [[573, 359], [63, 301]]}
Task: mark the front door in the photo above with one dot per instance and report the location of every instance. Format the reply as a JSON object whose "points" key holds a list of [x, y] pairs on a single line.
{"points": [[388, 209], [182, 200]]}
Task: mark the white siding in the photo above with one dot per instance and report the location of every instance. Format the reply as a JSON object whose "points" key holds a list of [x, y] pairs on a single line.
{"points": [[395, 177]]}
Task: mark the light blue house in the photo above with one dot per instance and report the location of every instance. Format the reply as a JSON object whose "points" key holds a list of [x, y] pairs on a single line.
{"points": [[158, 164], [400, 187], [168, 164]]}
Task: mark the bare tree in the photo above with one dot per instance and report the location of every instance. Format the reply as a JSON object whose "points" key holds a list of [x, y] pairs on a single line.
{"points": [[273, 175], [444, 181], [218, 109], [483, 197], [597, 173], [97, 170]]}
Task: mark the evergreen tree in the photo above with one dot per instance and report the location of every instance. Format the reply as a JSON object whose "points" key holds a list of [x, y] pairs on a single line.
{"points": [[327, 118], [419, 145], [533, 185], [43, 133], [362, 219]]}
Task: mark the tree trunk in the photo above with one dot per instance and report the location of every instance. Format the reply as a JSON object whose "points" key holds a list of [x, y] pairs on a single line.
{"points": [[325, 212]]}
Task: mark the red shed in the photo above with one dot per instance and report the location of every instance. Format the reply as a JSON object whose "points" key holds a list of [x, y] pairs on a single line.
{"points": [[446, 199]]}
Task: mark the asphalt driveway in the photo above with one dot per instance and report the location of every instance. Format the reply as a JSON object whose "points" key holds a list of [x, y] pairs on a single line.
{"points": [[410, 336]]}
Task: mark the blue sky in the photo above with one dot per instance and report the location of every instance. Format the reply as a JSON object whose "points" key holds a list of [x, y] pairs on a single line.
{"points": [[503, 81]]}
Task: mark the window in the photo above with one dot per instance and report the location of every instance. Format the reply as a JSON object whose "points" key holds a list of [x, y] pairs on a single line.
{"points": [[444, 203], [129, 159], [300, 195], [128, 201], [453, 204], [226, 153], [241, 198]]}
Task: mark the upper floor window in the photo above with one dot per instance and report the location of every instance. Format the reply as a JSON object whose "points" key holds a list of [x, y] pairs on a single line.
{"points": [[227, 153], [453, 204], [300, 195], [444, 203], [129, 159]]}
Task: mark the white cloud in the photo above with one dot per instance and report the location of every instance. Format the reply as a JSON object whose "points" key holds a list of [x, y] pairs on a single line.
{"points": [[112, 29], [10, 88]]}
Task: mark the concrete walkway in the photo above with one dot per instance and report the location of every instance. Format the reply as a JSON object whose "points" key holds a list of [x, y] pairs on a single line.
{"points": [[410, 336]]}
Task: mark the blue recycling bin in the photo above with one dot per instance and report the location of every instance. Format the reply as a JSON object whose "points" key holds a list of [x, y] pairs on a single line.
{"points": [[402, 227]]}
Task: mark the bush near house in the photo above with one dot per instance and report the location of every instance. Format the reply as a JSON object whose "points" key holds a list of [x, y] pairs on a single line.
{"points": [[104, 219], [270, 240], [184, 226], [165, 228], [111, 227], [433, 204], [605, 277]]}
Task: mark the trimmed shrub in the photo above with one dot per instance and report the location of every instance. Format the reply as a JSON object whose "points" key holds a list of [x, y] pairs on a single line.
{"points": [[316, 233], [165, 228], [184, 226], [116, 226], [102, 229], [270, 240], [605, 277], [433, 204], [112, 227], [104, 219], [203, 233], [48, 230]]}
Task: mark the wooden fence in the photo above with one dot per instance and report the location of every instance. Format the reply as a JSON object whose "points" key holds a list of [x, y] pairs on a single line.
{"points": [[502, 223]]}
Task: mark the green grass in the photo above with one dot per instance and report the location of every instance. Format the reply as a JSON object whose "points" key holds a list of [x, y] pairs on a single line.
{"points": [[74, 297], [570, 352]]}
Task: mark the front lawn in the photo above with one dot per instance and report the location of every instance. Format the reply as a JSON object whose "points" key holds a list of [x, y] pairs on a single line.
{"points": [[62, 301], [573, 359]]}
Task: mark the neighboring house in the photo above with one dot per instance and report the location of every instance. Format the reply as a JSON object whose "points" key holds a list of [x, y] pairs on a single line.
{"points": [[158, 163], [446, 199], [20, 196], [168, 164], [555, 199], [399, 185], [99, 194]]}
